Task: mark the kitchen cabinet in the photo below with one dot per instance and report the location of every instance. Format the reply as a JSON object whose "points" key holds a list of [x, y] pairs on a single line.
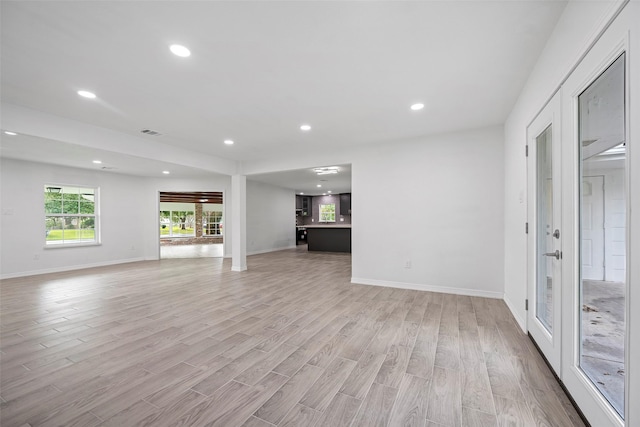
{"points": [[345, 204], [307, 207], [329, 238]]}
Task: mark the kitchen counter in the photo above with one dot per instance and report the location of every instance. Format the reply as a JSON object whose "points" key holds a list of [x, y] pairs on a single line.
{"points": [[329, 238], [325, 226]]}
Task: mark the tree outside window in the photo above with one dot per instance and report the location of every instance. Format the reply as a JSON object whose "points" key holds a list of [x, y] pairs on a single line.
{"points": [[177, 223]]}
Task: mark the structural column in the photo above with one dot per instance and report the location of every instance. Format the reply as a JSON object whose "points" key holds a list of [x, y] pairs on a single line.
{"points": [[198, 219], [239, 223]]}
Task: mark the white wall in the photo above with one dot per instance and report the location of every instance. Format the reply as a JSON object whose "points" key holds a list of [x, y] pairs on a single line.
{"points": [[436, 203], [576, 29], [271, 218], [128, 216], [22, 245]]}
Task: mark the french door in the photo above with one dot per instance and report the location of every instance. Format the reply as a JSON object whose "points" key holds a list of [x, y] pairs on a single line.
{"points": [[596, 146], [583, 186], [545, 238]]}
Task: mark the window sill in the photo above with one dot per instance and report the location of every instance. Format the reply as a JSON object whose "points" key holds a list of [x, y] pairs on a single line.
{"points": [[71, 245]]}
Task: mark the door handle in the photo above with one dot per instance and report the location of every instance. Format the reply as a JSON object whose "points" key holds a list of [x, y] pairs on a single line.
{"points": [[554, 254]]}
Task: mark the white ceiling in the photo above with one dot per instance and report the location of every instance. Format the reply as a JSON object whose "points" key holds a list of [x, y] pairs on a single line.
{"points": [[259, 70]]}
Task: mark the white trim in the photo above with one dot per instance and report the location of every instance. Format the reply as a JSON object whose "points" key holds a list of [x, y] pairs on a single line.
{"points": [[265, 251], [70, 245], [428, 288], [70, 268], [522, 322]]}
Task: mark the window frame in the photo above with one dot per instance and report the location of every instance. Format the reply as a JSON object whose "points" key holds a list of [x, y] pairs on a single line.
{"points": [[321, 213], [80, 217]]}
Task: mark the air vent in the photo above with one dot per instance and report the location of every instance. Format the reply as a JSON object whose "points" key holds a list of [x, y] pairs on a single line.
{"points": [[150, 132]]}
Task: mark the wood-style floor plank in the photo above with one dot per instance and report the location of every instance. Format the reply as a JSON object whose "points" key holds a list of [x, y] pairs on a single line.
{"points": [[289, 342], [410, 408]]}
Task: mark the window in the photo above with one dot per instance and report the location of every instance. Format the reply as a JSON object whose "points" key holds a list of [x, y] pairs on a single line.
{"points": [[70, 215], [211, 223], [177, 224], [328, 213]]}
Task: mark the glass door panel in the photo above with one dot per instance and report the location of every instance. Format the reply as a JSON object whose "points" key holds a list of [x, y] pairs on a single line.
{"points": [[602, 213], [544, 230]]}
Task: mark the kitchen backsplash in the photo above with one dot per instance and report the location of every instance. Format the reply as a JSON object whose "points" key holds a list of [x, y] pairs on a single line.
{"points": [[316, 201]]}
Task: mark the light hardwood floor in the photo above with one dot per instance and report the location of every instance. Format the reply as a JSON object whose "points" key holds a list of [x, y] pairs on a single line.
{"points": [[290, 342]]}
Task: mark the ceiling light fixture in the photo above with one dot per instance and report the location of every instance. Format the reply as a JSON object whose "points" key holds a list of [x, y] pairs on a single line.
{"points": [[319, 185], [228, 141], [328, 191], [305, 128], [326, 170], [180, 50], [87, 94], [97, 162], [418, 106], [10, 133], [301, 193], [166, 172]]}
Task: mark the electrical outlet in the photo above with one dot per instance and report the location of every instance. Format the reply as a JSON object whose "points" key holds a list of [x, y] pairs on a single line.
{"points": [[407, 264]]}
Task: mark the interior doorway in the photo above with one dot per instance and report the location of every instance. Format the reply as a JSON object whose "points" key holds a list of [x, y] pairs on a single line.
{"points": [[191, 224]]}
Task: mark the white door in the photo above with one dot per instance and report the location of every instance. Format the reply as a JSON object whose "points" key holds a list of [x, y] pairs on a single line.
{"points": [[592, 226], [544, 234], [596, 137]]}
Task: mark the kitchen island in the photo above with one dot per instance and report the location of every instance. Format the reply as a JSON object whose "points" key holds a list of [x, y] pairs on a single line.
{"points": [[329, 238]]}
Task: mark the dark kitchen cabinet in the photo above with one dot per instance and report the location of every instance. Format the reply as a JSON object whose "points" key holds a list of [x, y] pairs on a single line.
{"points": [[345, 204], [306, 206]]}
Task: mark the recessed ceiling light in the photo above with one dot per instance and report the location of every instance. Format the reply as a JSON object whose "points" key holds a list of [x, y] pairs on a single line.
{"points": [[166, 172], [228, 141], [10, 133], [305, 128], [327, 170], [418, 106], [319, 185], [301, 193], [324, 194], [328, 191], [87, 94], [97, 162], [180, 50]]}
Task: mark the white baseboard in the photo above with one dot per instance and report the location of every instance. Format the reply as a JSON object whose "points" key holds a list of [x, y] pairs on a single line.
{"points": [[69, 268], [430, 288], [264, 251], [514, 313]]}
